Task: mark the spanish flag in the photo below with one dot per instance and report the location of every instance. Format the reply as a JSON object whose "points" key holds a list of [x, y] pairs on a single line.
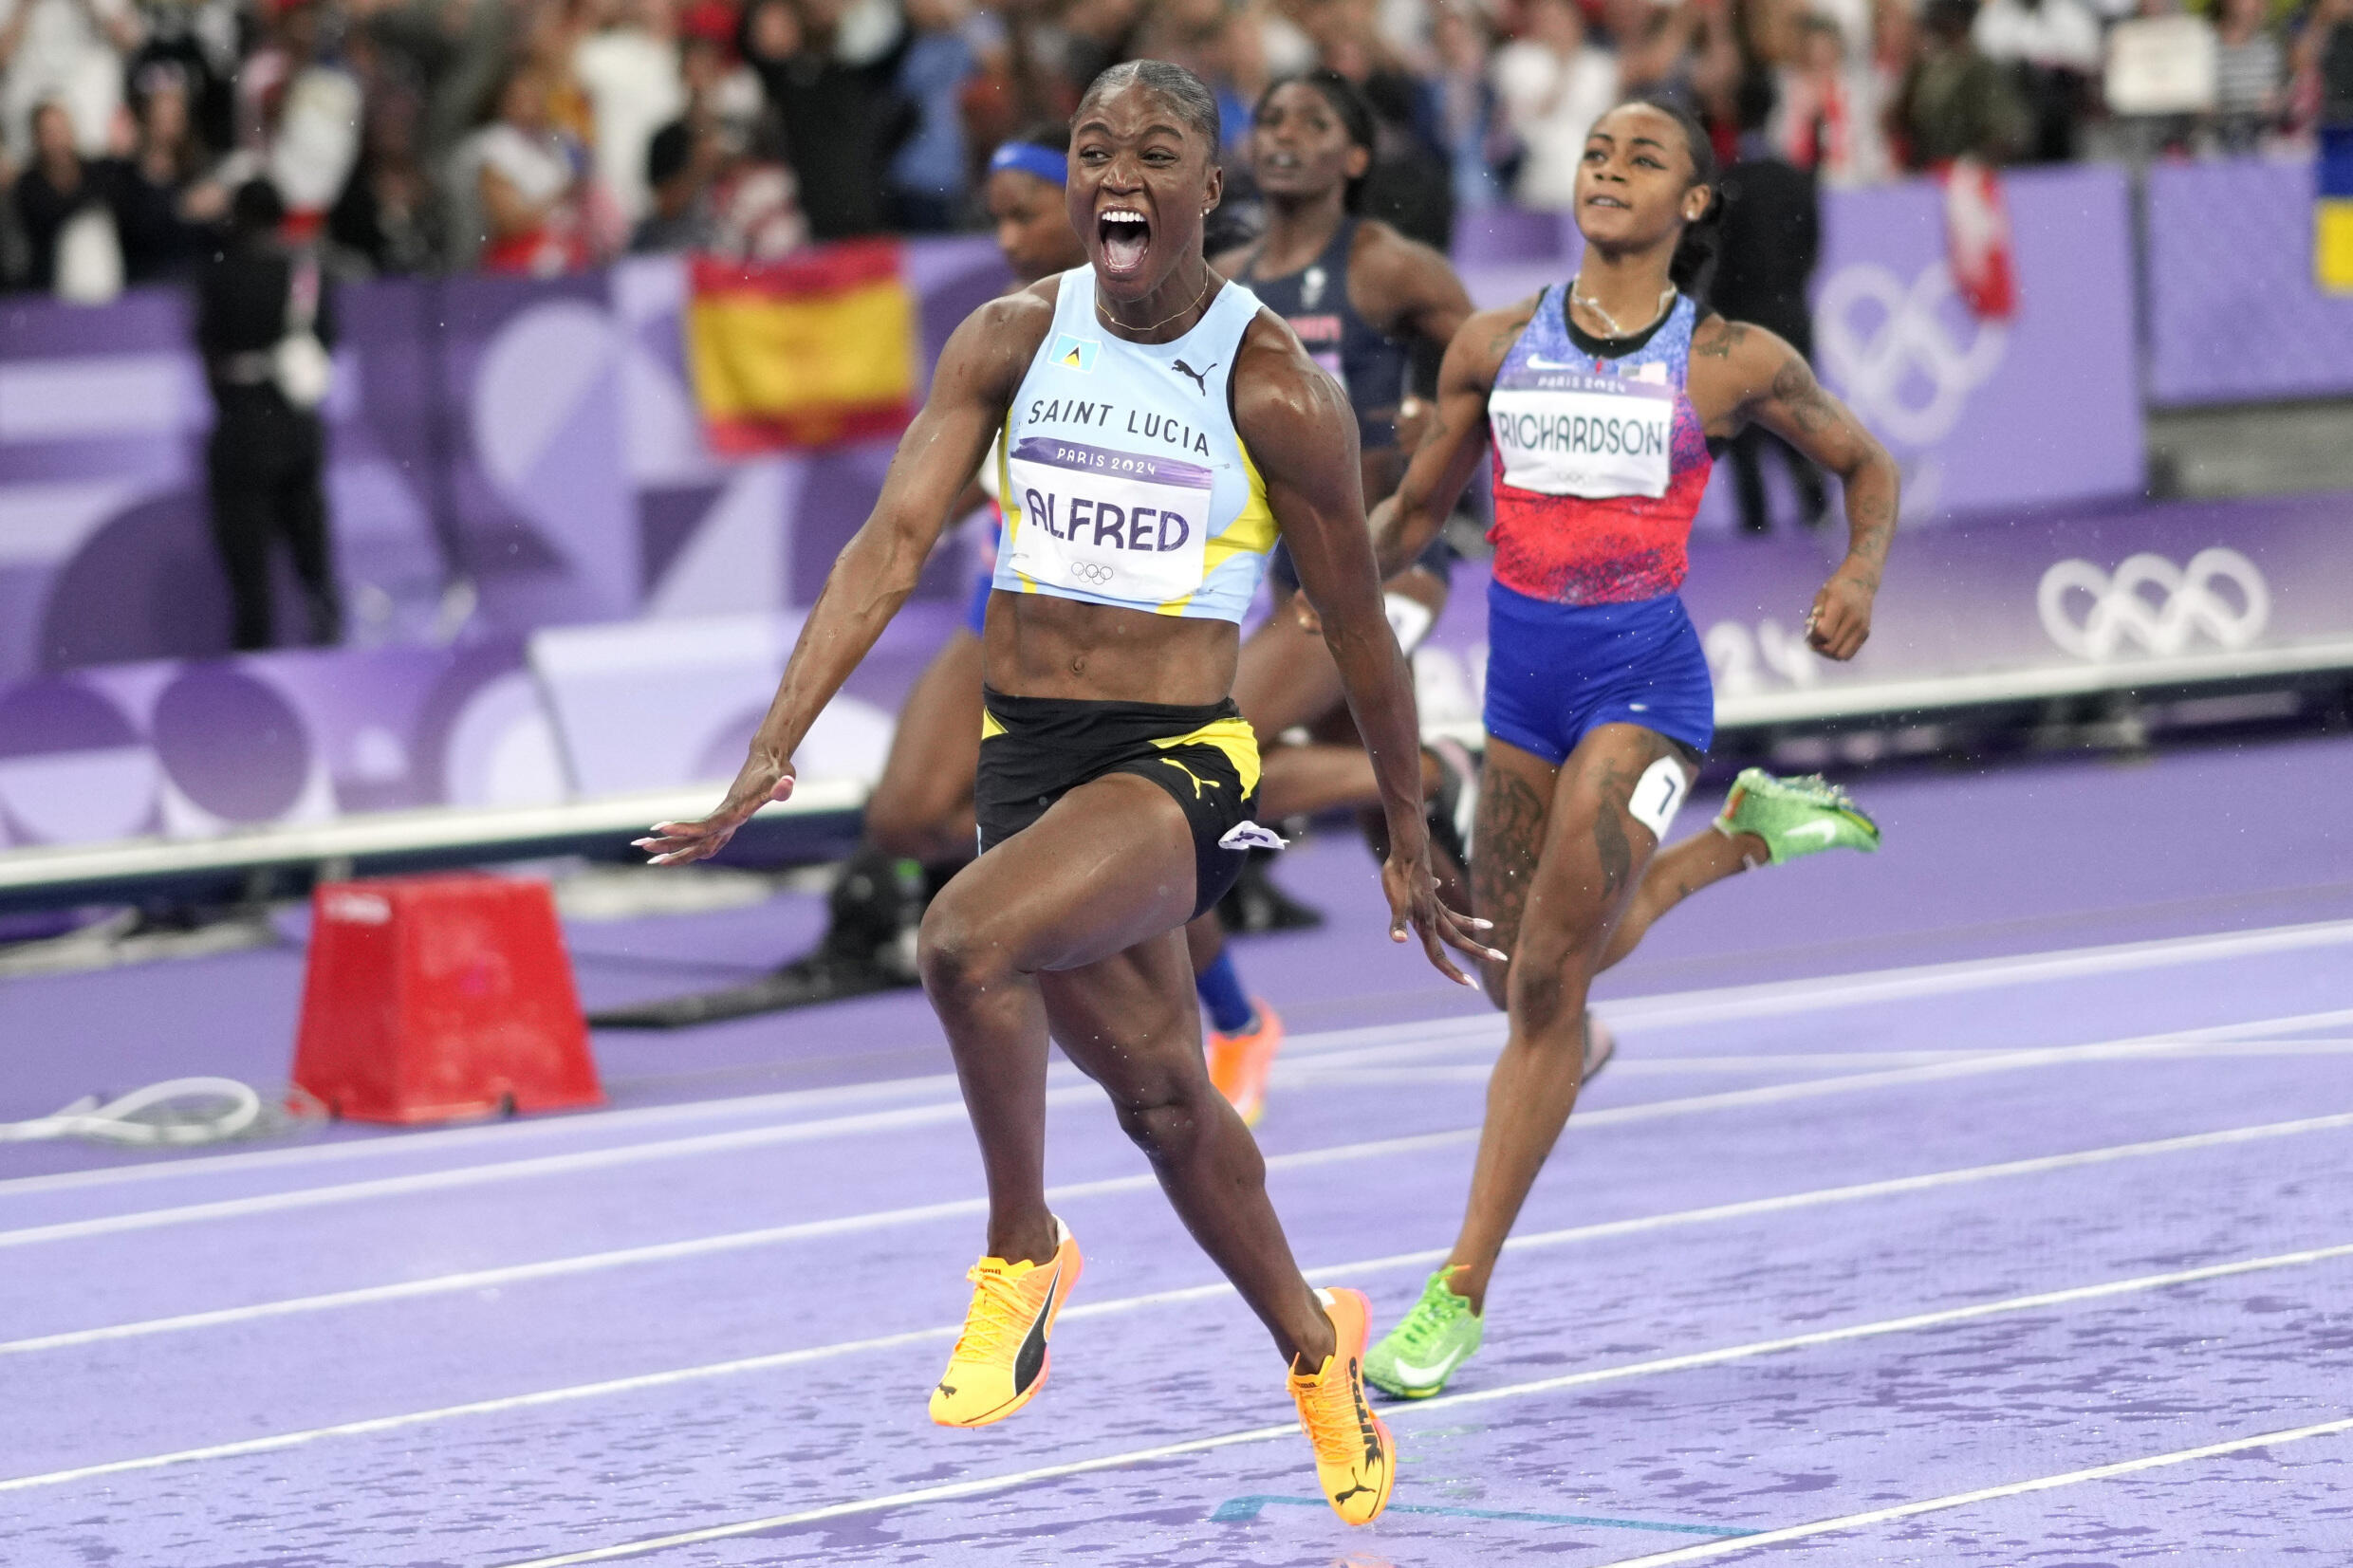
{"points": [[816, 348], [2332, 216]]}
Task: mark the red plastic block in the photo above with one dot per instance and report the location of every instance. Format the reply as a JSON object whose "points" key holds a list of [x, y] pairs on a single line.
{"points": [[432, 998]]}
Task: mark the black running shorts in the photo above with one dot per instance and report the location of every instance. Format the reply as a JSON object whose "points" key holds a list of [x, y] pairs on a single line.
{"points": [[1034, 750]]}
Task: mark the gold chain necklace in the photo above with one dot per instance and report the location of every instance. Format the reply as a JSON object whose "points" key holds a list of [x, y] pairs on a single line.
{"points": [[1666, 297], [1117, 325]]}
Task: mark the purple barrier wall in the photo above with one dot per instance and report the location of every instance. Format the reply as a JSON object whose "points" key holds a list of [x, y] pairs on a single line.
{"points": [[1973, 613], [538, 434], [2234, 316], [1990, 610], [187, 749], [2038, 411]]}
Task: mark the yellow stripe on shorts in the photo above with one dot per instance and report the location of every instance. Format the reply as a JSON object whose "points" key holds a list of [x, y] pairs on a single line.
{"points": [[1234, 737]]}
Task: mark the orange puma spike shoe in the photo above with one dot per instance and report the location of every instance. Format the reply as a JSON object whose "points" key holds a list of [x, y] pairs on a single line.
{"points": [[1355, 1461], [1000, 1359]]}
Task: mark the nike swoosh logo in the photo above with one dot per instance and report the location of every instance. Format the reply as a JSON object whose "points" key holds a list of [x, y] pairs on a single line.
{"points": [[1825, 831], [1537, 361], [1638, 707], [1031, 1357], [1419, 1375]]}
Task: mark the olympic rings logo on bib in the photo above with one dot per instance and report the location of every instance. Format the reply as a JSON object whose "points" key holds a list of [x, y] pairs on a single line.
{"points": [[1094, 572]]}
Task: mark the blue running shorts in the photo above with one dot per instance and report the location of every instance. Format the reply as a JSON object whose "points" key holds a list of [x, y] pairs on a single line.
{"points": [[1556, 671]]}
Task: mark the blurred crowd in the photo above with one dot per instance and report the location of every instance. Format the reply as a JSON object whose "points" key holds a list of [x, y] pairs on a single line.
{"points": [[544, 136]]}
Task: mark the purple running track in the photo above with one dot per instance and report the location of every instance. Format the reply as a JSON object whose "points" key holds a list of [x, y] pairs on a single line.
{"points": [[1912, 1192]]}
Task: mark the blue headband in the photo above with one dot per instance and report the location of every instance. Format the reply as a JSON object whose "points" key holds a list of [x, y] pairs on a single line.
{"points": [[1030, 159]]}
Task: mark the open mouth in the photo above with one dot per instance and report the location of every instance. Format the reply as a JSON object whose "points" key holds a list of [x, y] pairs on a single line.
{"points": [[1124, 233], [1607, 201]]}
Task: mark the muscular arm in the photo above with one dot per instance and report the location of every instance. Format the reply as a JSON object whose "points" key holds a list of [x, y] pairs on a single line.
{"points": [[1448, 456], [1741, 373], [978, 372], [1298, 422]]}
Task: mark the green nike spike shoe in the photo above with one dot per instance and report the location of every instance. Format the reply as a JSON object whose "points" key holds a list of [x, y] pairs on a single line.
{"points": [[1795, 817], [1421, 1353]]}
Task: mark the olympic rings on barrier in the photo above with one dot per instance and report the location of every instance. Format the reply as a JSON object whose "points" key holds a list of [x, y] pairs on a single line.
{"points": [[1092, 571], [2122, 612], [1885, 345]]}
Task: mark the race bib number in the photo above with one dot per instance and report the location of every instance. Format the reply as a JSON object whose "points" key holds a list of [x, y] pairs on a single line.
{"points": [[1121, 524], [1571, 433], [1658, 794]]}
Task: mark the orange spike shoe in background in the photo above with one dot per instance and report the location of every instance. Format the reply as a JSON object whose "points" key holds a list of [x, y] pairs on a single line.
{"points": [[1000, 1359], [1238, 1062], [1355, 1461]]}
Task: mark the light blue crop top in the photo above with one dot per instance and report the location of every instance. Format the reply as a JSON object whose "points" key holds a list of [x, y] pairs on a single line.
{"points": [[1123, 479]]}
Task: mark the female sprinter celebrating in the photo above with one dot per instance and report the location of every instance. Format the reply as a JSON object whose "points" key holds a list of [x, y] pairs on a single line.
{"points": [[1159, 431], [920, 810], [1601, 397]]}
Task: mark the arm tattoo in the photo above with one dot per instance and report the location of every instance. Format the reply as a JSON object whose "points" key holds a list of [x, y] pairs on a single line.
{"points": [[1795, 389], [1871, 525], [1717, 338]]}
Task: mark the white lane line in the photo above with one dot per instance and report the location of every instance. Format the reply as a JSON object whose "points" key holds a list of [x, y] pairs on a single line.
{"points": [[1336, 1045], [1973, 1065], [1512, 1390], [1333, 1274], [1985, 1494], [731, 1142], [1781, 997], [1715, 1006], [1324, 1081], [430, 1141], [1486, 1032], [593, 1262]]}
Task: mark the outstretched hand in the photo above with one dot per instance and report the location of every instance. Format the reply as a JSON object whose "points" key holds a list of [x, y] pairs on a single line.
{"points": [[1414, 902], [1839, 622], [757, 782]]}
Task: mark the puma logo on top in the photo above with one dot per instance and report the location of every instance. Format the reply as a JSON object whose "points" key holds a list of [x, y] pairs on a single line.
{"points": [[1200, 378]]}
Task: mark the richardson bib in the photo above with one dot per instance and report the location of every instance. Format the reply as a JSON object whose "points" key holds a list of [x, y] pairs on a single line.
{"points": [[1570, 431], [1123, 524]]}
